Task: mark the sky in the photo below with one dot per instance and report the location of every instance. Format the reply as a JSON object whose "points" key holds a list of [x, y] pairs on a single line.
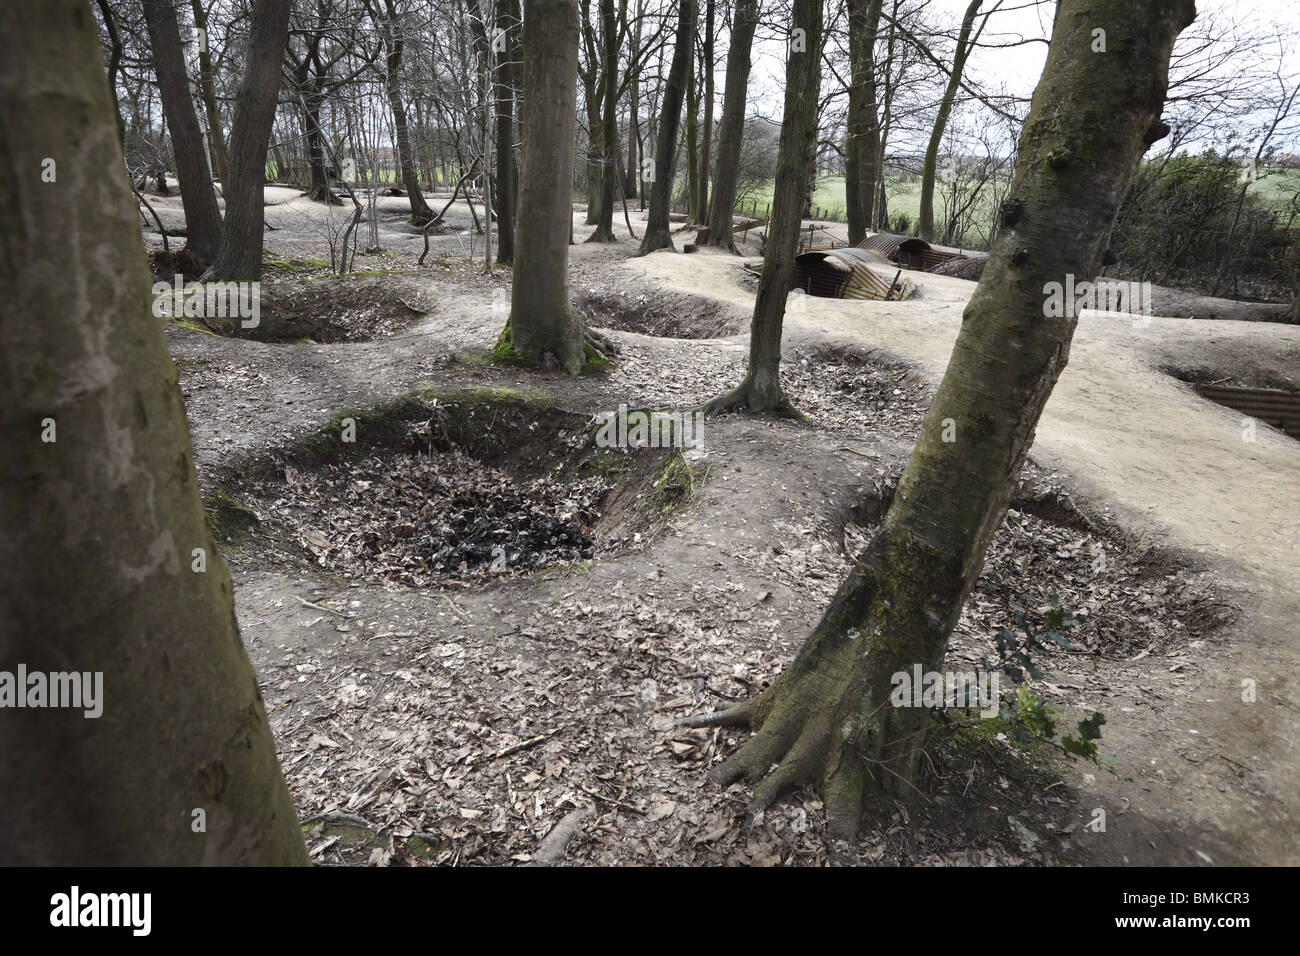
{"points": [[1019, 67]]}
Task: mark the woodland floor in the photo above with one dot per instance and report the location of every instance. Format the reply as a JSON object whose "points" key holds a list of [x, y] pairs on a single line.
{"points": [[470, 622]]}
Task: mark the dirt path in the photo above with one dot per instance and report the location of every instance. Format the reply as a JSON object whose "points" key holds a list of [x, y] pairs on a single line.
{"points": [[1168, 465]]}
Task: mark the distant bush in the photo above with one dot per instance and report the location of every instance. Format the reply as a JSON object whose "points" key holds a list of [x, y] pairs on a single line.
{"points": [[1175, 227]]}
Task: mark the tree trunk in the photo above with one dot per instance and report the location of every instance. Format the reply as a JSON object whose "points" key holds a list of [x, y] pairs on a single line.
{"points": [[632, 172], [657, 235], [109, 17], [595, 132], [706, 137], [216, 138], [761, 389], [964, 44], [420, 211], [202, 217], [507, 21], [731, 130], [543, 326], [693, 213], [319, 189], [862, 138], [99, 527], [827, 719], [241, 241], [604, 231]]}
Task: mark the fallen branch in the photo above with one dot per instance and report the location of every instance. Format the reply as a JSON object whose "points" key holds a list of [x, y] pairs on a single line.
{"points": [[551, 850], [319, 607], [530, 742]]}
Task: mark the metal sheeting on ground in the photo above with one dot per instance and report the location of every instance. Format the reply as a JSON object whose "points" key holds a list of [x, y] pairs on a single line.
{"points": [[1271, 405], [850, 274]]}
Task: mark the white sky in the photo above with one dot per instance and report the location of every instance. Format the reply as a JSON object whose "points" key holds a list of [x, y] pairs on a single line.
{"points": [[1019, 67]]}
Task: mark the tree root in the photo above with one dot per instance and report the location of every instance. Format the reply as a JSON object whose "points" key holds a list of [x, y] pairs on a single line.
{"points": [[600, 342], [744, 398]]}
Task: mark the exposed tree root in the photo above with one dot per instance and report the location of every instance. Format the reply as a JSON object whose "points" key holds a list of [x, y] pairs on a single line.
{"points": [[746, 398], [602, 343], [828, 720]]}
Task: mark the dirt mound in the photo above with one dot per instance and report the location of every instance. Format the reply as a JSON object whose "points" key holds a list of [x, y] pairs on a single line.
{"points": [[658, 314], [964, 267]]}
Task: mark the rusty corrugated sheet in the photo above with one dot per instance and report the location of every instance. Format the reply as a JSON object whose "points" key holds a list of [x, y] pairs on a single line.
{"points": [[908, 251], [1271, 405]]}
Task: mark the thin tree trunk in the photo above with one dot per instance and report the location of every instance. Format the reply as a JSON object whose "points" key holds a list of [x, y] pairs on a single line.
{"points": [[964, 44], [507, 22], [114, 64], [101, 528], [761, 389], [420, 211], [706, 136], [862, 139], [202, 216], [216, 138], [657, 235], [828, 719], [241, 240], [731, 131], [633, 169], [591, 90], [604, 231], [692, 138]]}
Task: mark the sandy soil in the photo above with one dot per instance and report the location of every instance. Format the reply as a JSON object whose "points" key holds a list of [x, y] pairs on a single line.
{"points": [[1168, 464]]}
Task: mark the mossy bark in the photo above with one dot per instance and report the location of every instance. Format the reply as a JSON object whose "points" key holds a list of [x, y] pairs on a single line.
{"points": [[827, 720], [761, 389], [99, 526]]}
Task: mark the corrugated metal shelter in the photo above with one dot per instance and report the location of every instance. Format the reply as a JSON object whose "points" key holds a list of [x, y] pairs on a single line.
{"points": [[908, 251], [850, 274], [1272, 405]]}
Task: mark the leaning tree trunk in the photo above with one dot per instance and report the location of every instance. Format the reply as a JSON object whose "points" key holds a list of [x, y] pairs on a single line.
{"points": [[928, 167], [827, 719], [657, 235], [216, 138], [241, 240], [202, 217], [543, 326], [731, 130], [420, 211], [107, 566], [862, 138], [761, 389], [604, 231]]}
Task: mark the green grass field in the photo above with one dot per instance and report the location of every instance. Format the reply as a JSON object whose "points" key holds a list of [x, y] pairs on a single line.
{"points": [[1276, 185]]}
